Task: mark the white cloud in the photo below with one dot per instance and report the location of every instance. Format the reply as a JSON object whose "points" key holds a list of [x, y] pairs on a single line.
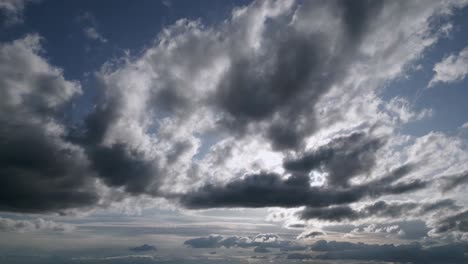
{"points": [[451, 69], [464, 126]]}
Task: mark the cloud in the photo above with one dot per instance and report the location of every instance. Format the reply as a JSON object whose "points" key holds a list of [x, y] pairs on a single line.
{"points": [[12, 10], [300, 256], [143, 248], [207, 114], [407, 229], [296, 225], [39, 224], [341, 159], [241, 80], [451, 69], [379, 209], [212, 241], [456, 222], [260, 249], [337, 213], [40, 171], [90, 27], [341, 250], [92, 34], [310, 234], [414, 253], [271, 190], [261, 241], [454, 181], [373, 228], [166, 3]]}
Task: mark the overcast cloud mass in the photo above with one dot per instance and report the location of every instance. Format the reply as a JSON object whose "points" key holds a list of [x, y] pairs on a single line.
{"points": [[233, 131]]}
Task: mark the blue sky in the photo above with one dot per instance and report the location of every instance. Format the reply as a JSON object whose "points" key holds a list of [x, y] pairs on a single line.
{"points": [[233, 131]]}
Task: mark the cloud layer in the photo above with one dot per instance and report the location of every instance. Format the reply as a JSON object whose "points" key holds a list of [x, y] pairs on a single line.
{"points": [[278, 105]]}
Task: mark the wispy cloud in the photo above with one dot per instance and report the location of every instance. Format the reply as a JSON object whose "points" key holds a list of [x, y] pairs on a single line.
{"points": [[93, 34], [451, 69]]}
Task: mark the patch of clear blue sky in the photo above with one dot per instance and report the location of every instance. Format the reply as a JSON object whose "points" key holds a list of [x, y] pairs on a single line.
{"points": [[127, 25], [448, 100]]}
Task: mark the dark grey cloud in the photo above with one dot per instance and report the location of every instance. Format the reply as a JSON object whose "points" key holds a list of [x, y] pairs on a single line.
{"points": [[323, 245], [414, 253], [279, 87], [384, 209], [336, 213], [357, 15], [293, 247], [260, 243], [457, 222], [143, 248], [120, 166], [300, 256], [40, 170], [441, 204], [178, 149], [248, 97], [40, 173], [380, 209], [212, 241], [454, 181], [261, 249], [270, 189], [310, 234], [340, 250], [297, 225], [343, 158]]}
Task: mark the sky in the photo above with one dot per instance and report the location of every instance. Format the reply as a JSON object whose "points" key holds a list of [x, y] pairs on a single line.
{"points": [[233, 131]]}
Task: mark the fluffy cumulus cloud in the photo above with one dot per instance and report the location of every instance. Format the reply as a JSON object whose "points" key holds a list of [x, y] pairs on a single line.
{"points": [[451, 69], [277, 106]]}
